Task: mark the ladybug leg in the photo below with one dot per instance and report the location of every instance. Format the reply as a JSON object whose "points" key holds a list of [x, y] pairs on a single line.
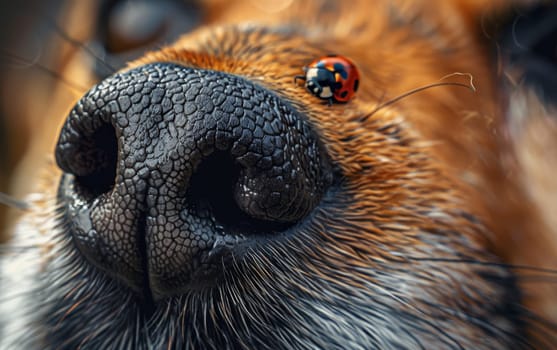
{"points": [[301, 77], [330, 101]]}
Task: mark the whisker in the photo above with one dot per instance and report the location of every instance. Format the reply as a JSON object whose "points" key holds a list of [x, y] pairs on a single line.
{"points": [[469, 86], [11, 297], [403, 301], [514, 35], [537, 279], [482, 322], [6, 249], [488, 263], [76, 43], [18, 63], [12, 202], [50, 22], [545, 329], [24, 63]]}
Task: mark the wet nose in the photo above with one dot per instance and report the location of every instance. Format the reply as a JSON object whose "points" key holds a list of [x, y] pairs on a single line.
{"points": [[169, 171]]}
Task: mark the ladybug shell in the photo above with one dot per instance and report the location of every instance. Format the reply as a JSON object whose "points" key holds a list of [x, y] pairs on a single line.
{"points": [[346, 76]]}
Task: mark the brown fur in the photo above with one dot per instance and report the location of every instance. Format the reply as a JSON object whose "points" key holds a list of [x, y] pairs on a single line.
{"points": [[441, 160]]}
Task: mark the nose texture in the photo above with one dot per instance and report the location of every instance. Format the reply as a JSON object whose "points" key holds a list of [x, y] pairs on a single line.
{"points": [[170, 170]]}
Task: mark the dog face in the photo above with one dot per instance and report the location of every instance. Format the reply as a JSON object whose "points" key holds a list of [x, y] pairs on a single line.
{"points": [[207, 200]]}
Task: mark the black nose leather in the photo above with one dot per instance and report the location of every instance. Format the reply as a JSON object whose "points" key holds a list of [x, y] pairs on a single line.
{"points": [[171, 171]]}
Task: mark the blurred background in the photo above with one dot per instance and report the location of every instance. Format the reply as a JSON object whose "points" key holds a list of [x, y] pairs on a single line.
{"points": [[23, 36]]}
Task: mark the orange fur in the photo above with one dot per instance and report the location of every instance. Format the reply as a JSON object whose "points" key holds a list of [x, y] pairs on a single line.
{"points": [[440, 150]]}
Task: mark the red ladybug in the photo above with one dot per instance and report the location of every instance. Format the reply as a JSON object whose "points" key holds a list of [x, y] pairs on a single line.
{"points": [[332, 78]]}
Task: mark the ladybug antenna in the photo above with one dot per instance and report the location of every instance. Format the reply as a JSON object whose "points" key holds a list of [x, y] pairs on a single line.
{"points": [[469, 86]]}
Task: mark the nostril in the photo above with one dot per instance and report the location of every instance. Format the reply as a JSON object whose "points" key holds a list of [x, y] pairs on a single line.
{"points": [[102, 179], [91, 155], [212, 192]]}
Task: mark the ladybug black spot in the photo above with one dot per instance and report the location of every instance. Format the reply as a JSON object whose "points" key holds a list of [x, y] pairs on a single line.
{"points": [[356, 85]]}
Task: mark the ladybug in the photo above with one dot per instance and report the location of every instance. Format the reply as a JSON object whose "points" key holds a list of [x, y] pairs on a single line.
{"points": [[333, 78]]}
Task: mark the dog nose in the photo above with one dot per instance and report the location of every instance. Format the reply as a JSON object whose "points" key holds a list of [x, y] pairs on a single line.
{"points": [[171, 172]]}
